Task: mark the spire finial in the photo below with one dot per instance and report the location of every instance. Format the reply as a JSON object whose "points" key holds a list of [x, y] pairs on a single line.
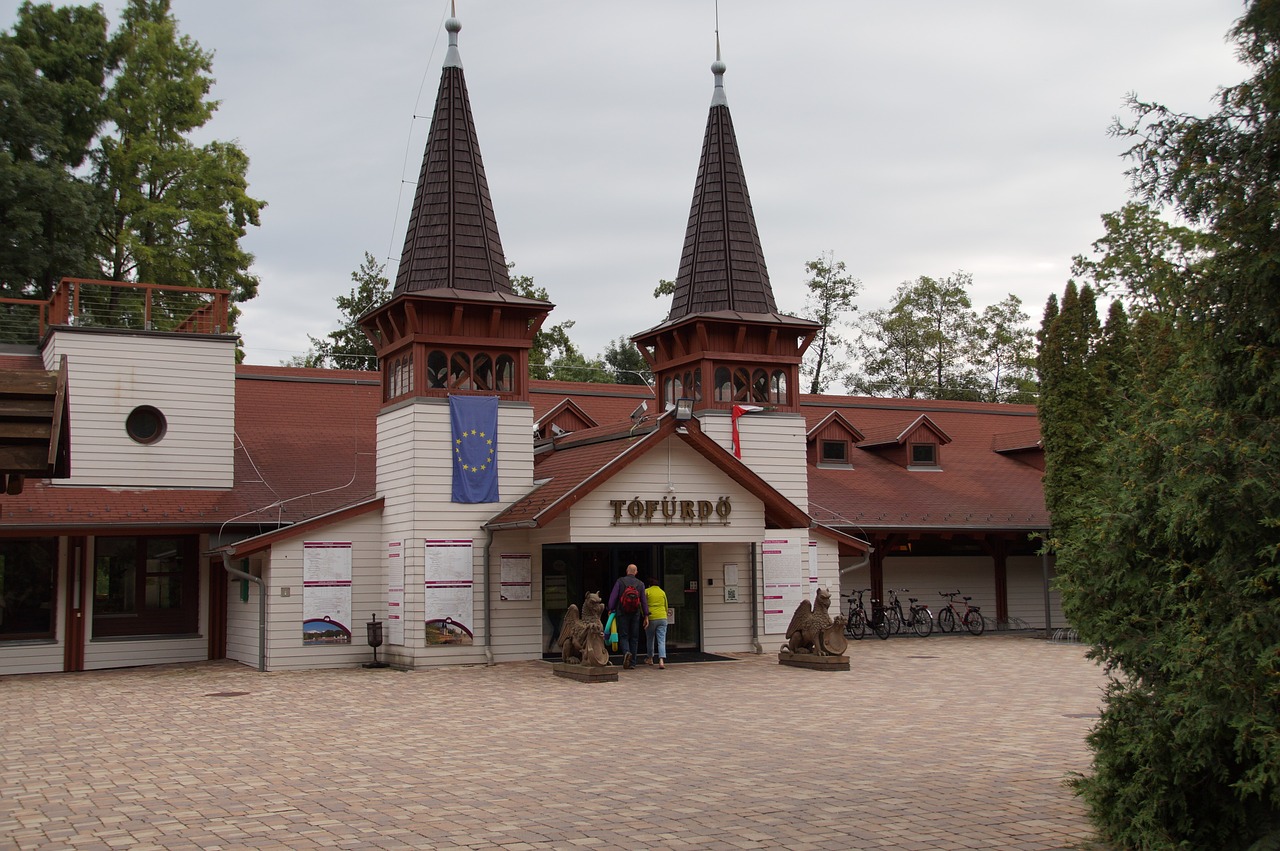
{"points": [[718, 68], [453, 59]]}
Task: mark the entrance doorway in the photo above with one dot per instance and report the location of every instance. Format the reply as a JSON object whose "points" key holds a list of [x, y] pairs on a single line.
{"points": [[570, 571]]}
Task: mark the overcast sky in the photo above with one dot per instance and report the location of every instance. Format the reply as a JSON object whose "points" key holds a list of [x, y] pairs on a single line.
{"points": [[907, 138]]}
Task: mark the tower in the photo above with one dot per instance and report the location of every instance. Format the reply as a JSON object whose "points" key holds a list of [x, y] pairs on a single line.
{"points": [[452, 327], [724, 345]]}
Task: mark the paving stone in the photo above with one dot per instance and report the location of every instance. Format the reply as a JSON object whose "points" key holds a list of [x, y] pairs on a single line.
{"points": [[966, 749]]}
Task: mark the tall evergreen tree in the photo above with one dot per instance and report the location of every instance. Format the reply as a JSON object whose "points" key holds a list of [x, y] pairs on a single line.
{"points": [[1172, 569]]}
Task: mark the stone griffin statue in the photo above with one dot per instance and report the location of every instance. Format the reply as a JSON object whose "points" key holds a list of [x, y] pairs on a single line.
{"points": [[812, 630], [582, 636]]}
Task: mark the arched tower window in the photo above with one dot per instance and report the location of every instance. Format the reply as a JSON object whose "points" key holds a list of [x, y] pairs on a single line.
{"points": [[437, 370]]}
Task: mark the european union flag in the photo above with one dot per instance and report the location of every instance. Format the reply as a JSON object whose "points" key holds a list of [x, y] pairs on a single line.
{"points": [[474, 426]]}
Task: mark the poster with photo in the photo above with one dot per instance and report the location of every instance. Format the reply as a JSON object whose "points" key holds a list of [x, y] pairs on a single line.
{"points": [[326, 592], [448, 590]]}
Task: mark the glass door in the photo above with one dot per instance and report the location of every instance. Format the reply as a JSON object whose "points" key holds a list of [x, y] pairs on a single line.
{"points": [[680, 581]]}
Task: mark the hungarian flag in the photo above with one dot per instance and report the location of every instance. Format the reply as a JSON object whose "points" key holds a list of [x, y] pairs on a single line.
{"points": [[739, 410], [474, 427]]}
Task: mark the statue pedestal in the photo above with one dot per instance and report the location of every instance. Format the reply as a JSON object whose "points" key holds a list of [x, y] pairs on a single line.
{"points": [[590, 673], [814, 661]]}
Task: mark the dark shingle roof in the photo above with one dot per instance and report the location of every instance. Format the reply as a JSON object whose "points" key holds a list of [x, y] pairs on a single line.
{"points": [[722, 265], [452, 240]]}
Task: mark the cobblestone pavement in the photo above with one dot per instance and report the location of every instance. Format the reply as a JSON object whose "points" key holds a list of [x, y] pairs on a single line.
{"points": [[946, 742]]}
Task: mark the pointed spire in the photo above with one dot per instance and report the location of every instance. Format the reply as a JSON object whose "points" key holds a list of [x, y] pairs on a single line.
{"points": [[722, 266], [452, 239]]}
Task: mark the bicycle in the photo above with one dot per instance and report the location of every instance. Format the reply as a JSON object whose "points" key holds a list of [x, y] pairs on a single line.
{"points": [[918, 617], [949, 615], [858, 620]]}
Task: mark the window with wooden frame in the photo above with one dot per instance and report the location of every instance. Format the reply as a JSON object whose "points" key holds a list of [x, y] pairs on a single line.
{"points": [[147, 585], [834, 453], [924, 455]]}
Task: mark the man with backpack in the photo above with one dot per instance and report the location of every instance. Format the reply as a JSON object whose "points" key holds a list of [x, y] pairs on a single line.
{"points": [[631, 605]]}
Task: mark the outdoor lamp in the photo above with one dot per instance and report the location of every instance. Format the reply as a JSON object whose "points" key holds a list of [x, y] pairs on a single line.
{"points": [[684, 409]]}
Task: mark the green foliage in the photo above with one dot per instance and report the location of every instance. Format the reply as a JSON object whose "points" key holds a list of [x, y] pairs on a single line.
{"points": [[664, 287], [831, 294], [931, 344], [348, 347], [554, 356], [52, 71], [98, 177], [626, 364], [175, 212], [1167, 542]]}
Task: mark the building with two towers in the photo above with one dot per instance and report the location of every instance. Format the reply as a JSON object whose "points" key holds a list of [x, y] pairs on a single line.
{"points": [[264, 514]]}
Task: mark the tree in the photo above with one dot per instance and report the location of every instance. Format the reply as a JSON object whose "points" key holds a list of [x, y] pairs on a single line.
{"points": [[926, 345], [831, 294], [626, 363], [1005, 351], [53, 68], [664, 287], [554, 356], [175, 212], [1171, 566], [348, 347]]}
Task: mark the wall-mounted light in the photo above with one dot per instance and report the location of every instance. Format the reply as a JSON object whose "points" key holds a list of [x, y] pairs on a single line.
{"points": [[684, 409]]}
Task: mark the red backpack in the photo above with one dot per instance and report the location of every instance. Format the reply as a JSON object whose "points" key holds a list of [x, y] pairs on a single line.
{"points": [[629, 602]]}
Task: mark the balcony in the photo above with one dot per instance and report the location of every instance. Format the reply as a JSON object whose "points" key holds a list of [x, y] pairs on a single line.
{"points": [[125, 305]]}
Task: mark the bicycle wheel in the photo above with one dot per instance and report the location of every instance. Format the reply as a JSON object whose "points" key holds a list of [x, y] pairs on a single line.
{"points": [[856, 628], [894, 619], [946, 620], [973, 621], [922, 622], [881, 626]]}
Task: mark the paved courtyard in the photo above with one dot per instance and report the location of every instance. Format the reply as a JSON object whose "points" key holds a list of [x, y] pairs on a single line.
{"points": [[945, 742]]}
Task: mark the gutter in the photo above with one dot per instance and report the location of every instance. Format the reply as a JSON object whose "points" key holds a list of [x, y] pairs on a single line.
{"points": [[488, 608], [755, 606], [262, 603]]}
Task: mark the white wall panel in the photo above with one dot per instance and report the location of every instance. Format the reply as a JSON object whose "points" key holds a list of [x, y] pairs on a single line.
{"points": [[191, 380]]}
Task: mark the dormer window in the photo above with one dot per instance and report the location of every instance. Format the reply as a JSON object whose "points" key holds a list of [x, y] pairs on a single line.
{"points": [[835, 453], [924, 455]]}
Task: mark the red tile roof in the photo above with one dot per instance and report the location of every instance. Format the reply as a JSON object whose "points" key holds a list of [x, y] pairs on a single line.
{"points": [[304, 445], [973, 488]]}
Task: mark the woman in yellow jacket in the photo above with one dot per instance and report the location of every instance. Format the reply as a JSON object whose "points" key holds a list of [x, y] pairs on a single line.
{"points": [[656, 632]]}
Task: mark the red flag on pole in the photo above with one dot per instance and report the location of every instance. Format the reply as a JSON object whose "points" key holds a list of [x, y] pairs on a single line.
{"points": [[739, 410]]}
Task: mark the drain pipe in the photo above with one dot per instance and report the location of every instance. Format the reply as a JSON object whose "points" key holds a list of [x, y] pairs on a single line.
{"points": [[488, 608], [755, 606], [262, 603]]}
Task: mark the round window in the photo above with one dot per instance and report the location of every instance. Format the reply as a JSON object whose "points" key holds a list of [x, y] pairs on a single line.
{"points": [[145, 424]]}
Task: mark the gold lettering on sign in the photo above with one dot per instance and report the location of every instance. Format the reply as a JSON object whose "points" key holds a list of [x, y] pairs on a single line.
{"points": [[670, 511]]}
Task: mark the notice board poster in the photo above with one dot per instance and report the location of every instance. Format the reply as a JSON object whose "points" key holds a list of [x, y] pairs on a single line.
{"points": [[448, 591], [517, 576], [784, 580], [395, 592], [326, 592]]}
